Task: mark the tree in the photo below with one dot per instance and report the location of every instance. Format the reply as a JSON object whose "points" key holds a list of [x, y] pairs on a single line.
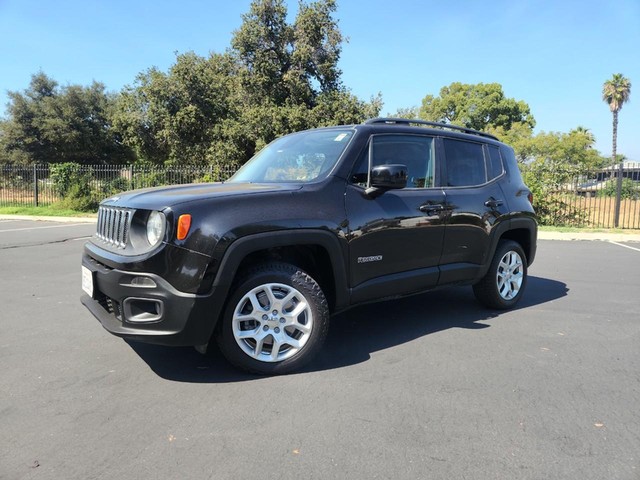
{"points": [[52, 124], [288, 64], [276, 78], [175, 116], [580, 130], [476, 106], [405, 112], [616, 92]]}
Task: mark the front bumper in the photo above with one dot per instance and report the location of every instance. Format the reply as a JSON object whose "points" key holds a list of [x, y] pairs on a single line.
{"points": [[145, 307]]}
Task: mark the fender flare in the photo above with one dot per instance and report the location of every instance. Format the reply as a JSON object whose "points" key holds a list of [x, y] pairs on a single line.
{"points": [[244, 246], [528, 224]]}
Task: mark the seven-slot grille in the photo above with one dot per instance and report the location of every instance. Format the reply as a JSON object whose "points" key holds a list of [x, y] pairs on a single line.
{"points": [[113, 225]]}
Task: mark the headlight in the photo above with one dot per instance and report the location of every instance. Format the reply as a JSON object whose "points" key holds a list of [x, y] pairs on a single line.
{"points": [[155, 227]]}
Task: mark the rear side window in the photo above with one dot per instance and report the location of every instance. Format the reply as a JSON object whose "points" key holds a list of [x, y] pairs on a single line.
{"points": [[465, 163], [495, 163]]}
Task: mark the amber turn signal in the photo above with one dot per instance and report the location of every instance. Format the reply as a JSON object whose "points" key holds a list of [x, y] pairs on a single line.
{"points": [[184, 224]]}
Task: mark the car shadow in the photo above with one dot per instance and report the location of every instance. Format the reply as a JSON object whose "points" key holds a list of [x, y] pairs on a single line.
{"points": [[357, 333]]}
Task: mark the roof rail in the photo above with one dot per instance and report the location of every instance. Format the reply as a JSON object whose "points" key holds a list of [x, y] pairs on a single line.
{"points": [[447, 126]]}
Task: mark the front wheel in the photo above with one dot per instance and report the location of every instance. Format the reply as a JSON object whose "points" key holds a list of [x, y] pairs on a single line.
{"points": [[504, 282], [276, 320]]}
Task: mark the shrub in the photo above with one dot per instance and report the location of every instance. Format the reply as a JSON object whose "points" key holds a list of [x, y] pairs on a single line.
{"points": [[150, 178], [630, 189], [66, 175], [72, 183], [547, 182], [115, 185], [79, 198]]}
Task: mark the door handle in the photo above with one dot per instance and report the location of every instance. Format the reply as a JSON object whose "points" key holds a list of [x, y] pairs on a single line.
{"points": [[431, 209], [493, 203]]}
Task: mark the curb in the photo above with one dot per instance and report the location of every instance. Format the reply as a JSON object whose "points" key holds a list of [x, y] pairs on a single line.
{"points": [[589, 236]]}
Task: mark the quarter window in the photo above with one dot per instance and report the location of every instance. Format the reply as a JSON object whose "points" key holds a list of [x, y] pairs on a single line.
{"points": [[495, 163]]}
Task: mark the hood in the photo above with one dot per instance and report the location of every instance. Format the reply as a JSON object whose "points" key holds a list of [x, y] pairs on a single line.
{"points": [[158, 198]]}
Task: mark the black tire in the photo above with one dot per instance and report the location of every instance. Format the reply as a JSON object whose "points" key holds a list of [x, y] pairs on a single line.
{"points": [[276, 339], [509, 264]]}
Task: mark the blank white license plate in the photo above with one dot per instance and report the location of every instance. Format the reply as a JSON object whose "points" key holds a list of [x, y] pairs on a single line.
{"points": [[87, 281]]}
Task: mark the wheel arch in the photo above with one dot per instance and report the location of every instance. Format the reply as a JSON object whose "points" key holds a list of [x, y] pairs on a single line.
{"points": [[523, 231], [317, 252]]}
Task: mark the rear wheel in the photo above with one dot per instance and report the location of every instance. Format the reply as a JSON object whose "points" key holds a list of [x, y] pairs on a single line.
{"points": [[276, 320], [504, 283]]}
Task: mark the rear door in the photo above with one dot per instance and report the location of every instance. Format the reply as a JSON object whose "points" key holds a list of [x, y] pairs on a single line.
{"points": [[475, 202]]}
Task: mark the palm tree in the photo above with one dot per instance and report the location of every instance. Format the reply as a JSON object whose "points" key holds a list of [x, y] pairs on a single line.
{"points": [[616, 93], [588, 135]]}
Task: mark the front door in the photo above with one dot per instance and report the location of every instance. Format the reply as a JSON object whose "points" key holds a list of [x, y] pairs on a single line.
{"points": [[395, 237]]}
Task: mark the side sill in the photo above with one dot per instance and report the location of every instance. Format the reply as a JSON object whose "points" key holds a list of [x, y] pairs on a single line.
{"points": [[397, 284]]}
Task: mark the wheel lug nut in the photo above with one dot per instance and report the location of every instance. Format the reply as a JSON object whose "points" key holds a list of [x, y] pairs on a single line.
{"points": [[277, 330], [275, 312], [265, 317], [265, 328], [282, 320]]}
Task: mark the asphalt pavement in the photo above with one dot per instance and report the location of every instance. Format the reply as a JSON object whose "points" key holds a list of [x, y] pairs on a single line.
{"points": [[431, 386]]}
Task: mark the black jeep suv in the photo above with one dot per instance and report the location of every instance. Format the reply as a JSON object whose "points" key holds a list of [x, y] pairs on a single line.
{"points": [[315, 223]]}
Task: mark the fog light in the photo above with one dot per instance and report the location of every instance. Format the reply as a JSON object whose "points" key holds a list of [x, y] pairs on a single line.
{"points": [[139, 282]]}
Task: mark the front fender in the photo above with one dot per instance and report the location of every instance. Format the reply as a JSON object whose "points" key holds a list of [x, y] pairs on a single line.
{"points": [[240, 248]]}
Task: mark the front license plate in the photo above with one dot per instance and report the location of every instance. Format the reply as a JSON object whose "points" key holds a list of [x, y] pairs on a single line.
{"points": [[87, 281]]}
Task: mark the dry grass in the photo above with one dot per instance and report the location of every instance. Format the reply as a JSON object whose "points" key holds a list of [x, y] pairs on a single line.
{"points": [[601, 211]]}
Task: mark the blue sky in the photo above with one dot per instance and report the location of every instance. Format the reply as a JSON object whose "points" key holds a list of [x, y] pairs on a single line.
{"points": [[554, 55]]}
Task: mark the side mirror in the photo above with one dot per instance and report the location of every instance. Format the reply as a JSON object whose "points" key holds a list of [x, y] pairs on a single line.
{"points": [[389, 176]]}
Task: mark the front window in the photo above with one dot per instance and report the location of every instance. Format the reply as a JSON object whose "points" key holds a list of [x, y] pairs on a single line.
{"points": [[413, 151], [300, 157]]}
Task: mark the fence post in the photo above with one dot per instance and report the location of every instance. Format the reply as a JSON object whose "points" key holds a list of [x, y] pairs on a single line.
{"points": [[35, 185], [616, 218], [131, 177]]}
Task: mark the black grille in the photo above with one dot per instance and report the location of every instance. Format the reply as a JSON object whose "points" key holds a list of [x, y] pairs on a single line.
{"points": [[113, 225]]}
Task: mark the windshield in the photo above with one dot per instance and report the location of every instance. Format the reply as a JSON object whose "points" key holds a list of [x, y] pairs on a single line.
{"points": [[300, 157]]}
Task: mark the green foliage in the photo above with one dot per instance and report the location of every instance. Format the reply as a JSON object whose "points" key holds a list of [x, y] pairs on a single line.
{"points": [[67, 175], [150, 178], [73, 184], [51, 124], [476, 106], [113, 186], [630, 189], [276, 78], [406, 112], [53, 210], [79, 199], [549, 163], [174, 116], [616, 91], [546, 182], [571, 151]]}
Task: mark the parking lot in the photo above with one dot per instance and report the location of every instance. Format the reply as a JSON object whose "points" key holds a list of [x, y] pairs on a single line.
{"points": [[431, 386]]}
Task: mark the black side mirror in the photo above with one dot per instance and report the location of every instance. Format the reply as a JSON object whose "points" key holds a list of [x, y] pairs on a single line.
{"points": [[389, 176]]}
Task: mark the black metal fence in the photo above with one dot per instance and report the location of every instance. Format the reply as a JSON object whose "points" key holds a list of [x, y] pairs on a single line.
{"points": [[42, 185], [590, 199], [586, 200]]}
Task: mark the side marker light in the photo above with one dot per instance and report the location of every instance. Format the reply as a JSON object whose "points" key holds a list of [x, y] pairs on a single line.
{"points": [[184, 224]]}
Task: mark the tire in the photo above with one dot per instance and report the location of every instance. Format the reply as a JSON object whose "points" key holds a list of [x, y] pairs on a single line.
{"points": [[505, 281], [275, 321]]}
